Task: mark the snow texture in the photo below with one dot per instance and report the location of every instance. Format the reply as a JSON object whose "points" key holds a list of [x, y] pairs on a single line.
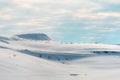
{"points": [[37, 57]]}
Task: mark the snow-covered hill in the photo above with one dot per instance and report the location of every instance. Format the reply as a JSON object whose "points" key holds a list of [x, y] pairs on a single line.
{"points": [[37, 57], [32, 36]]}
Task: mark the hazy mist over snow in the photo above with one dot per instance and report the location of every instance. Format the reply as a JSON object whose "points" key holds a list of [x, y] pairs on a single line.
{"points": [[34, 56]]}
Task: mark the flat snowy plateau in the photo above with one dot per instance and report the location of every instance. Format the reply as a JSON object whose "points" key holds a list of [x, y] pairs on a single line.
{"points": [[37, 57]]}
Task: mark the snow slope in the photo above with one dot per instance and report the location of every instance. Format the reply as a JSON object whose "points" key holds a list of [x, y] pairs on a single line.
{"points": [[39, 58]]}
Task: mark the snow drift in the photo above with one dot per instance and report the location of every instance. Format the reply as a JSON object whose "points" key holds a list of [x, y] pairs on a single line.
{"points": [[36, 57]]}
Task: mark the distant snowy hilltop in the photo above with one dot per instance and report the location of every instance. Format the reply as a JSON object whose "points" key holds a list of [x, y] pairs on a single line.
{"points": [[41, 42], [34, 36], [35, 56]]}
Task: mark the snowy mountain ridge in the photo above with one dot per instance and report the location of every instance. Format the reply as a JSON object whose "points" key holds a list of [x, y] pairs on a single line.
{"points": [[33, 36]]}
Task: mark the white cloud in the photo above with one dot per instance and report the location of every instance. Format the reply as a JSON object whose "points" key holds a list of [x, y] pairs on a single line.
{"points": [[6, 10], [7, 13], [116, 23], [2, 26], [109, 29], [109, 14], [52, 1], [6, 17], [102, 28], [33, 23], [110, 1], [98, 15]]}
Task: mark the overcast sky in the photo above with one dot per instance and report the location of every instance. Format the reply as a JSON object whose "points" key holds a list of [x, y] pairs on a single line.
{"points": [[63, 20]]}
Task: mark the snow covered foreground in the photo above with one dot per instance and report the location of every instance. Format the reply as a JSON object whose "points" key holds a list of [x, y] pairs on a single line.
{"points": [[40, 58]]}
